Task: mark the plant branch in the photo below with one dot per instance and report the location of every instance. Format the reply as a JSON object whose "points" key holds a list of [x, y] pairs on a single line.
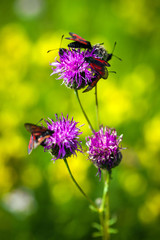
{"points": [[85, 115], [80, 189]]}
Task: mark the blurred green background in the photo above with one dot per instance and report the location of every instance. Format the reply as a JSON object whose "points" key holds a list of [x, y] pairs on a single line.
{"points": [[37, 198]]}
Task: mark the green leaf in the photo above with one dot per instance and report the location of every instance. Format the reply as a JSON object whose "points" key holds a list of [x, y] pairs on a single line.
{"points": [[93, 208], [97, 226], [113, 220], [113, 231], [97, 234]]}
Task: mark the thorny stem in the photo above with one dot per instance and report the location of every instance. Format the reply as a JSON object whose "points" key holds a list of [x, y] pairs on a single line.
{"points": [[89, 123], [97, 112], [80, 189]]}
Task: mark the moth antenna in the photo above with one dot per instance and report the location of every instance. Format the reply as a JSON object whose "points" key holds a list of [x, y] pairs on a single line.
{"points": [[117, 57], [114, 47], [113, 51], [56, 48], [39, 121], [52, 50], [61, 40]]}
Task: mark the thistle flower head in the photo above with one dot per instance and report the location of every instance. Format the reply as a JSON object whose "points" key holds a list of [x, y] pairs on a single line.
{"points": [[65, 140], [73, 69], [104, 150]]}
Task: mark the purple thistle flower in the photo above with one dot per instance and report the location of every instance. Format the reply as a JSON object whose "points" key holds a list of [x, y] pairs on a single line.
{"points": [[104, 149], [73, 69], [65, 140]]}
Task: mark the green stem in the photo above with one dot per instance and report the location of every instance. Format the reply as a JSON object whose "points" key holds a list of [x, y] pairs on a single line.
{"points": [[104, 209], [80, 189], [97, 112], [89, 123]]}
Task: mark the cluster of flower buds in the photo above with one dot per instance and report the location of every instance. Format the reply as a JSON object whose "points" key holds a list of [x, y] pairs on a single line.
{"points": [[78, 68]]}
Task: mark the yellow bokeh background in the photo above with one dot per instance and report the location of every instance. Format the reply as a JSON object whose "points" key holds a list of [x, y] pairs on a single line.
{"points": [[52, 207]]}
